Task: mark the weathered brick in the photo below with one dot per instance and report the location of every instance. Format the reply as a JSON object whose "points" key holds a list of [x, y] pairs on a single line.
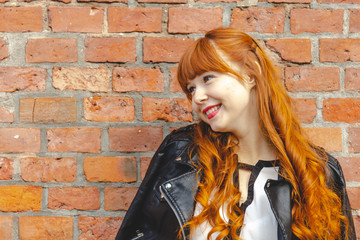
{"points": [[105, 1], [22, 79], [45, 169], [292, 50], [110, 169], [351, 168], [84, 139], [305, 109], [354, 197], [194, 20], [352, 79], [144, 164], [168, 110], [21, 19], [6, 227], [162, 1], [174, 85], [4, 51], [58, 110], [289, 1], [354, 25], [357, 225], [6, 170], [20, 140], [74, 78], [305, 79], [138, 79], [216, 1], [69, 198], [255, 19], [76, 19], [51, 50], [354, 140], [109, 109], [4, 1], [164, 49], [20, 198], [6, 116], [135, 139], [339, 50], [118, 198], [41, 228], [339, 1], [98, 228], [123, 19], [316, 20], [110, 49], [341, 110], [328, 138]]}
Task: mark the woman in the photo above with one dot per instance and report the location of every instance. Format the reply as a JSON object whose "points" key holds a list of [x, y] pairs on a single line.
{"points": [[245, 171]]}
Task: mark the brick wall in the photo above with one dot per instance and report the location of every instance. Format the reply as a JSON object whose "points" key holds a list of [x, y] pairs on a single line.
{"points": [[88, 91]]}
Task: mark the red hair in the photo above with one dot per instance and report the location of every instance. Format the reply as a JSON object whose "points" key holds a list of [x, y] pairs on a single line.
{"points": [[316, 209]]}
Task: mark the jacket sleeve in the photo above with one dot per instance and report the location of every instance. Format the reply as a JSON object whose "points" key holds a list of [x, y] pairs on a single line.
{"points": [[340, 187]]}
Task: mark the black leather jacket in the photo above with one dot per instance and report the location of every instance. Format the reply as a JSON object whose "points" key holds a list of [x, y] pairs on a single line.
{"points": [[165, 199]]}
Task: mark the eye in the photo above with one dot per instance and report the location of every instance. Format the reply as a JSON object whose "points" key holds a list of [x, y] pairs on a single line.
{"points": [[191, 89], [207, 78]]}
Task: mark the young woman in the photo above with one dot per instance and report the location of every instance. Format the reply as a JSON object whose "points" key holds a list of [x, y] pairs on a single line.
{"points": [[246, 170]]}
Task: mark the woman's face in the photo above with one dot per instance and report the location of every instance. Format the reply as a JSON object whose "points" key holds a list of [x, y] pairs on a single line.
{"points": [[222, 101]]}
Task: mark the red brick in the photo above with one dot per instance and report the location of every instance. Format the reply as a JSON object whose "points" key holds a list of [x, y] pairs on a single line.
{"points": [[162, 1], [6, 227], [74, 78], [20, 198], [291, 50], [6, 116], [69, 198], [45, 169], [218, 1], [328, 138], [305, 79], [289, 1], [123, 19], [21, 19], [109, 109], [174, 84], [165, 109], [85, 139], [4, 1], [305, 109], [255, 19], [135, 139], [110, 49], [41, 228], [22, 79], [357, 225], [341, 110], [339, 50], [6, 169], [104, 1], [118, 198], [354, 197], [164, 49], [20, 140], [98, 228], [339, 1], [354, 25], [194, 20], [138, 79], [144, 164], [58, 110], [316, 20], [352, 79], [76, 19], [4, 51], [354, 140], [351, 168], [51, 50], [110, 169]]}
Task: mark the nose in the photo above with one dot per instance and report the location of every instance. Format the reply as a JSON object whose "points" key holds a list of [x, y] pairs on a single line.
{"points": [[199, 96]]}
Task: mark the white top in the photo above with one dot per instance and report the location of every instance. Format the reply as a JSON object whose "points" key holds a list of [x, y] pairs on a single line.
{"points": [[259, 220]]}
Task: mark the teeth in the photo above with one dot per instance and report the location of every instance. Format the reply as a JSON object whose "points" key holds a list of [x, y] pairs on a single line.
{"points": [[212, 110]]}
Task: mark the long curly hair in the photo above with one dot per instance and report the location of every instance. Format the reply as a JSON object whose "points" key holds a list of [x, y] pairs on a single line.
{"points": [[316, 209]]}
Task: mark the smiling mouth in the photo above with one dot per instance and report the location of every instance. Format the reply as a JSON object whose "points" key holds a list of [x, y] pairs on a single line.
{"points": [[211, 111]]}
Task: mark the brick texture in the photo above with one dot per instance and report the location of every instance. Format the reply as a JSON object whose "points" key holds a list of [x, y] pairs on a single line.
{"points": [[305, 109], [291, 50], [20, 19], [69, 198], [6, 115], [351, 168], [20, 140], [339, 1], [174, 84], [110, 169], [352, 79], [144, 164], [341, 110], [118, 198], [263, 20], [22, 79], [4, 51], [339, 50], [289, 1], [122, 19], [354, 196], [194, 20], [328, 138], [20, 198], [76, 19], [354, 140], [6, 227], [6, 169], [95, 228], [354, 21]]}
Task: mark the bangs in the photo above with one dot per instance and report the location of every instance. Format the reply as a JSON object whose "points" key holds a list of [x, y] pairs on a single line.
{"points": [[201, 57]]}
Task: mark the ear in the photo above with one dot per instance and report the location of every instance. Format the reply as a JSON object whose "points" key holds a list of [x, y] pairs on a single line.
{"points": [[251, 82]]}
